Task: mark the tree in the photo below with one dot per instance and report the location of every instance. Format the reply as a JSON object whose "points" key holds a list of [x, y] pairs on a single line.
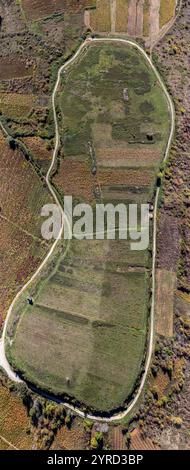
{"points": [[11, 142]]}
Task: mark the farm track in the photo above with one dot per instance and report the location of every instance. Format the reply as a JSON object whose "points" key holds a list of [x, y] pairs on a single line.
{"points": [[3, 361]]}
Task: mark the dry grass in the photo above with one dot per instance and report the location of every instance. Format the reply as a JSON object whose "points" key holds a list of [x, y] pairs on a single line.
{"points": [[123, 157], [22, 196], [166, 282], [75, 178], [100, 19], [13, 421], [167, 11], [16, 105], [121, 15], [14, 69], [71, 439]]}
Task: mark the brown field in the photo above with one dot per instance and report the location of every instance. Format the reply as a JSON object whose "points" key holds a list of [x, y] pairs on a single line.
{"points": [[121, 16], [166, 282], [13, 421], [139, 443], [91, 313], [39, 150], [161, 383], [128, 156], [76, 178], [132, 17], [14, 69], [117, 439], [100, 19], [16, 105]]}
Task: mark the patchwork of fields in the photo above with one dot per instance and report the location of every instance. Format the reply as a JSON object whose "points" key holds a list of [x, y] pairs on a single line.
{"points": [[133, 17], [86, 333]]}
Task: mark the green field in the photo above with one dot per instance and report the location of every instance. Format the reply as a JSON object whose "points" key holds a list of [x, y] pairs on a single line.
{"points": [[86, 333]]}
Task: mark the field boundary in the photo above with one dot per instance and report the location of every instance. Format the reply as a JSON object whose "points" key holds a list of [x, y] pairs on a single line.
{"points": [[3, 360]]}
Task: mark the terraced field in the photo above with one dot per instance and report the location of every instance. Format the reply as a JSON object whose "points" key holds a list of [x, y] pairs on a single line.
{"points": [[86, 333]]}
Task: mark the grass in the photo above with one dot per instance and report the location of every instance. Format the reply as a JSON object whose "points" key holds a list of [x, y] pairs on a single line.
{"points": [[85, 336]]}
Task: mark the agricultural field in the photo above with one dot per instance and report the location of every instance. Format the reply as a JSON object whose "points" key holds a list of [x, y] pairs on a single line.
{"points": [[166, 285], [91, 311], [166, 13], [135, 18], [22, 196], [16, 105], [40, 151], [138, 442], [14, 69], [71, 439], [38, 9], [14, 422], [100, 18]]}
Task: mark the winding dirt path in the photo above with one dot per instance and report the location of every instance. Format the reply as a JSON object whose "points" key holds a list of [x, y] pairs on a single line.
{"points": [[3, 361]]}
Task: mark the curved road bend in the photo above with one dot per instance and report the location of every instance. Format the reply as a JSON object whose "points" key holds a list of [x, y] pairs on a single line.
{"points": [[3, 361]]}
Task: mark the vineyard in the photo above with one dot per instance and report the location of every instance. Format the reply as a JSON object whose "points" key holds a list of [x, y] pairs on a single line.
{"points": [[22, 196]]}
